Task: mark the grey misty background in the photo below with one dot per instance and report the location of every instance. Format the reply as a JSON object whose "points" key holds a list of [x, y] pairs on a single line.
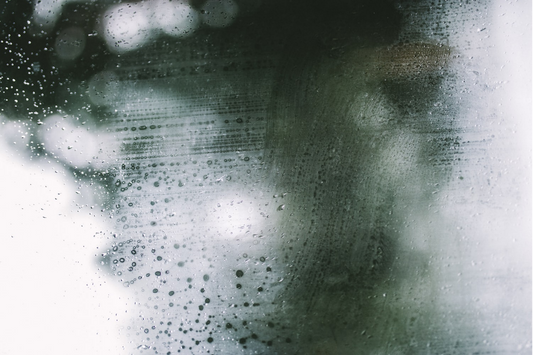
{"points": [[426, 287]]}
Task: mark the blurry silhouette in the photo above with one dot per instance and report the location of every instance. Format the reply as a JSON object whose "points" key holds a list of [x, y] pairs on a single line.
{"points": [[259, 163]]}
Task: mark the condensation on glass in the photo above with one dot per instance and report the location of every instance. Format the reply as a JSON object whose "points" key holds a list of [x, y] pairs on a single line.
{"points": [[238, 176]]}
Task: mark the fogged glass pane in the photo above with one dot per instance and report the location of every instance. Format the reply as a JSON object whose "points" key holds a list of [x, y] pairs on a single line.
{"points": [[305, 177]]}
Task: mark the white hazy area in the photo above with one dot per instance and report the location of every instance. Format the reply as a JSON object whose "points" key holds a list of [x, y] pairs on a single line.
{"points": [[74, 144], [54, 300], [489, 218]]}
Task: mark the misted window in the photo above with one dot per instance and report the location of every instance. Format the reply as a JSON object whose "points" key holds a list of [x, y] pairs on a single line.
{"points": [[266, 177]]}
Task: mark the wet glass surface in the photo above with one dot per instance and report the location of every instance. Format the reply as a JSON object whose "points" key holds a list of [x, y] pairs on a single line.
{"points": [[223, 177]]}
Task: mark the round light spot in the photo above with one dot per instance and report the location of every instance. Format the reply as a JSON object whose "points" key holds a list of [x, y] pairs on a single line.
{"points": [[70, 43], [126, 27], [104, 88], [175, 18]]}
